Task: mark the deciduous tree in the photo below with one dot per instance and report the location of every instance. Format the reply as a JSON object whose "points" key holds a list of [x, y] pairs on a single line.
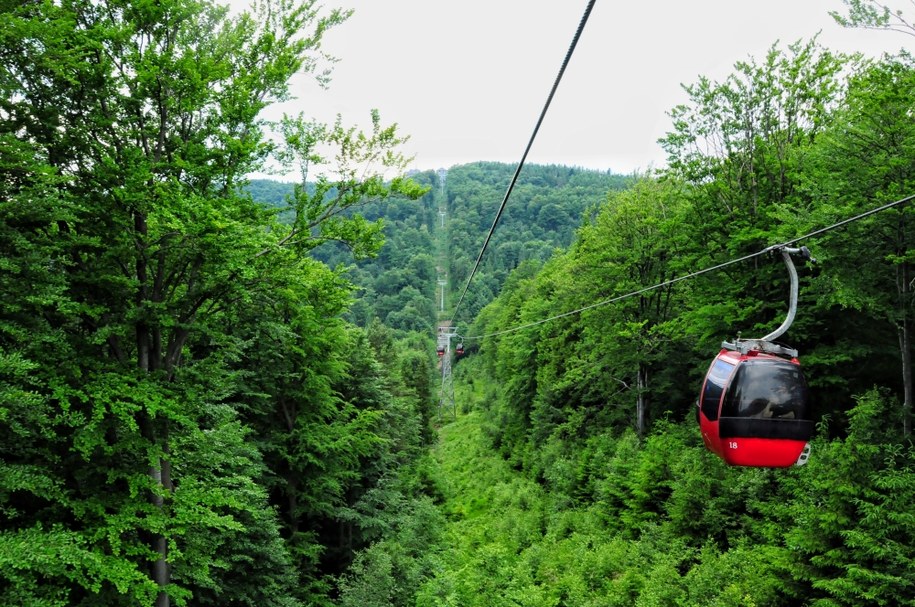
{"points": [[130, 128]]}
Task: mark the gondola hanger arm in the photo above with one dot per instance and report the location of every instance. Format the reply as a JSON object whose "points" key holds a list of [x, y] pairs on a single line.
{"points": [[786, 253], [766, 343]]}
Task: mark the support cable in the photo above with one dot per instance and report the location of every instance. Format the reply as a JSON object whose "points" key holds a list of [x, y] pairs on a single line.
{"points": [[511, 185], [667, 283]]}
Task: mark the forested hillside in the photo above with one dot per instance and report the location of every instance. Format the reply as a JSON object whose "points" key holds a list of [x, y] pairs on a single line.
{"points": [[547, 205], [399, 286], [216, 391]]}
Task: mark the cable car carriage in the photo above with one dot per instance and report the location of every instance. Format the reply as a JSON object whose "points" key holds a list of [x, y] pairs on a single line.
{"points": [[440, 350], [459, 350], [752, 408]]}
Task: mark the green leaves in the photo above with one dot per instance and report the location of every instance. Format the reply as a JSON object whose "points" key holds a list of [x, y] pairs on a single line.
{"points": [[852, 512], [742, 142], [671, 524], [41, 565], [347, 170], [871, 14], [161, 335]]}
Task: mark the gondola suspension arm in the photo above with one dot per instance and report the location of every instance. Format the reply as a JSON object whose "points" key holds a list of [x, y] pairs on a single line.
{"points": [[787, 252], [766, 343]]}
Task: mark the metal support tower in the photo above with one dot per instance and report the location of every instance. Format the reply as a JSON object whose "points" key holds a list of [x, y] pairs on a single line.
{"points": [[446, 397], [442, 283], [442, 173]]}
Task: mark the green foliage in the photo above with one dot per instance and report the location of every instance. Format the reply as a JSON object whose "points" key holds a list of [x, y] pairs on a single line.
{"points": [[546, 207], [673, 525], [853, 516], [862, 160], [578, 373], [41, 564], [872, 14], [390, 572], [158, 328], [651, 518], [245, 537], [322, 211], [188, 416]]}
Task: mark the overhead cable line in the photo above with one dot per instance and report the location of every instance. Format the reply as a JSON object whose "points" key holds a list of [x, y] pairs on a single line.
{"points": [[511, 185], [725, 264]]}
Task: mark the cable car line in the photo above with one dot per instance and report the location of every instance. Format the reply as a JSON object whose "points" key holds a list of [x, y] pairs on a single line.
{"points": [[514, 179], [720, 266], [625, 296]]}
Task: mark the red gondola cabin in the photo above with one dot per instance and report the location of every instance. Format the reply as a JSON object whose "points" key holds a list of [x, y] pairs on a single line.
{"points": [[753, 409]]}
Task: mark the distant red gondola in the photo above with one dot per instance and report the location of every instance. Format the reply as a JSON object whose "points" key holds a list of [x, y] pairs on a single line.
{"points": [[441, 351], [459, 350]]}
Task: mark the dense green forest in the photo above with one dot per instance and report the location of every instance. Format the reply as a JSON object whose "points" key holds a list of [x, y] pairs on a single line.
{"points": [[181, 420], [547, 204], [216, 391], [399, 285]]}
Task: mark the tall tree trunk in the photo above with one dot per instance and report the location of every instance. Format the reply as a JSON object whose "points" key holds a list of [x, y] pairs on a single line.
{"points": [[905, 348], [641, 407], [160, 476], [160, 570], [148, 359], [904, 289]]}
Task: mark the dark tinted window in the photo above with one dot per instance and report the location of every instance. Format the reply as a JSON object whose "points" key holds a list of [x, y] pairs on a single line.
{"points": [[767, 389], [714, 385]]}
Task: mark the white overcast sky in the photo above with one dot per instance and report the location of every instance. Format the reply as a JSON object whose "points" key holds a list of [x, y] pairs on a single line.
{"points": [[467, 80]]}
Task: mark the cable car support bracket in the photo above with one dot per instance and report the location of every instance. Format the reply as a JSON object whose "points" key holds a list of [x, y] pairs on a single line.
{"points": [[765, 343]]}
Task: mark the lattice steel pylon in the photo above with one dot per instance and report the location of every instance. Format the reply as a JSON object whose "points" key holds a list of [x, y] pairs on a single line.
{"points": [[446, 397]]}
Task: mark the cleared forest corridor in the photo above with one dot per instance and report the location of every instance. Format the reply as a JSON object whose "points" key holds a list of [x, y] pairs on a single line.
{"points": [[614, 520], [509, 542]]}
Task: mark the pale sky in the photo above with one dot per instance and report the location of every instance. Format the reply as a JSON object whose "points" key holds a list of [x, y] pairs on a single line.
{"points": [[466, 80]]}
